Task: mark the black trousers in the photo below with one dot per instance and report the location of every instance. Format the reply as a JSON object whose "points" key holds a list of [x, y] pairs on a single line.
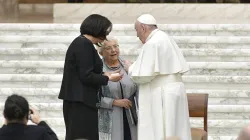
{"points": [[81, 121], [127, 134]]}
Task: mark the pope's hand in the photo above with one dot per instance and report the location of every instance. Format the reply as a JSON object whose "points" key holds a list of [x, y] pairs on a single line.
{"points": [[123, 103], [127, 64]]}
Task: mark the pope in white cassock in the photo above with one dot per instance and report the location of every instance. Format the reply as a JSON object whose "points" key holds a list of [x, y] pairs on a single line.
{"points": [[163, 106]]}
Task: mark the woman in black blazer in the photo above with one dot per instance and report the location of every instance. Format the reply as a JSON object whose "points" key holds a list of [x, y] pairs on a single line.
{"points": [[82, 79]]}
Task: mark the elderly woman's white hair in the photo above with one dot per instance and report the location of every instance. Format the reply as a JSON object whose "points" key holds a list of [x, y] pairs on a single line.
{"points": [[102, 45]]}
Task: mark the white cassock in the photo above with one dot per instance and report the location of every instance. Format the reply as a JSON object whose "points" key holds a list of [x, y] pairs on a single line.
{"points": [[163, 106]]}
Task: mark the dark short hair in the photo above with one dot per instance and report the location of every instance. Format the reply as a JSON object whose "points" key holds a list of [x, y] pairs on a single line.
{"points": [[16, 108], [97, 26]]}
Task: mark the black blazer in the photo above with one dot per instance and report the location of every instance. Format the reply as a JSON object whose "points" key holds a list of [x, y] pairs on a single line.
{"points": [[17, 131], [82, 76]]}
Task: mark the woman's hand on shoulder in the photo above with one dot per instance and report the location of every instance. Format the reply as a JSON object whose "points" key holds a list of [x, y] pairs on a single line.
{"points": [[123, 103]]}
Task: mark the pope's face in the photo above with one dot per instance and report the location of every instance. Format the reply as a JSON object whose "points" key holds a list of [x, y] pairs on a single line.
{"points": [[139, 31]]}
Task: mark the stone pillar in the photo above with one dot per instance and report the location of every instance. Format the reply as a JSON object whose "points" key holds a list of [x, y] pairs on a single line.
{"points": [[9, 10]]}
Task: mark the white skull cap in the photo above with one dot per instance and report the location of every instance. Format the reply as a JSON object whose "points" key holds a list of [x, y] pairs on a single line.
{"points": [[147, 19]]}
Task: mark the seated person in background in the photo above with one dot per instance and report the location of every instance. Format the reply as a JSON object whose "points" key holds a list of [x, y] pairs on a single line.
{"points": [[17, 113], [245, 133]]}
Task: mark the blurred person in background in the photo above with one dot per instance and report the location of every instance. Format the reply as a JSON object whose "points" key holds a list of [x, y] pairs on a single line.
{"points": [[17, 113], [245, 133]]}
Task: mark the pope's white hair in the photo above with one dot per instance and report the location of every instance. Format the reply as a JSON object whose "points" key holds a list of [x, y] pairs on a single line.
{"points": [[102, 45]]}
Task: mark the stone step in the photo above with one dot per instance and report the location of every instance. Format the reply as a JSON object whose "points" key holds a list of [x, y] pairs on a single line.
{"points": [[131, 39], [126, 29], [222, 137], [216, 72], [216, 97], [209, 45], [54, 99], [186, 78], [34, 95], [221, 124], [222, 93], [128, 57], [196, 58], [37, 98], [211, 115], [229, 101], [56, 122], [211, 108], [60, 71], [229, 115], [52, 84], [223, 131], [127, 51], [61, 45], [228, 108], [51, 98], [60, 64], [128, 33]]}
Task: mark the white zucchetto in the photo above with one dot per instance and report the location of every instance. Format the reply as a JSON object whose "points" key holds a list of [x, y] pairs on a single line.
{"points": [[147, 19]]}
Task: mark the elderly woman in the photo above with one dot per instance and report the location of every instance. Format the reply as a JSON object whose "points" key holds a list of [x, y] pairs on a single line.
{"points": [[115, 122]]}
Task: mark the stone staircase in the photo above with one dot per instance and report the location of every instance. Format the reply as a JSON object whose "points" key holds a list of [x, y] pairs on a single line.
{"points": [[32, 58]]}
